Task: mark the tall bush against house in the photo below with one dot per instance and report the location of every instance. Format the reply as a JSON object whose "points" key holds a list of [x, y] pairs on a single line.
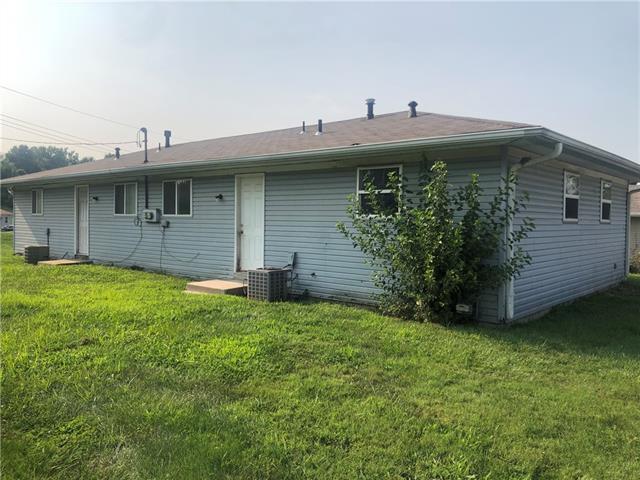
{"points": [[437, 246]]}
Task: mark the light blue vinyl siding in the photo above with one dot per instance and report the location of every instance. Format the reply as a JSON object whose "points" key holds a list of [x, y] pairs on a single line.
{"points": [[301, 212], [57, 215], [569, 259], [199, 246]]}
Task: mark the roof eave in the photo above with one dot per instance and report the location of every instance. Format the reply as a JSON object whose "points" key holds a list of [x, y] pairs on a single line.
{"points": [[297, 157], [630, 168]]}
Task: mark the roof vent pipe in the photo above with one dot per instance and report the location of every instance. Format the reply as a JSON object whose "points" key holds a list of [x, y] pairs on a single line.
{"points": [[304, 128], [167, 136], [117, 153], [412, 106], [370, 103], [319, 132]]}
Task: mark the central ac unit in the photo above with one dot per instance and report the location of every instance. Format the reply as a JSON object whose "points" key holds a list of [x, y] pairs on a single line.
{"points": [[268, 284]]}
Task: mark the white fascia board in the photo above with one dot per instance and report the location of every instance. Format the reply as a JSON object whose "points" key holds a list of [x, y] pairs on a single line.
{"points": [[297, 158]]}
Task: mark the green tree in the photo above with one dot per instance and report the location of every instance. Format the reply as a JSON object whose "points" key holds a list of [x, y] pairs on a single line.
{"points": [[22, 159], [440, 246]]}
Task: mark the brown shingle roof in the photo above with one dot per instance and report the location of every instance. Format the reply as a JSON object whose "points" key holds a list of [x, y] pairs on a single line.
{"points": [[358, 131]]}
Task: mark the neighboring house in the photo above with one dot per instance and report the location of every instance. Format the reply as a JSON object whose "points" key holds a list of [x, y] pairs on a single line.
{"points": [[634, 221], [243, 202], [6, 218]]}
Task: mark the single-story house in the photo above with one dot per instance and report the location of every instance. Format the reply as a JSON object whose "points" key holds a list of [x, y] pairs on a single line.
{"points": [[634, 210], [215, 208], [6, 218]]}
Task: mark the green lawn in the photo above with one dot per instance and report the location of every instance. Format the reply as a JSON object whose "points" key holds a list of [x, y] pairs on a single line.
{"points": [[112, 373]]}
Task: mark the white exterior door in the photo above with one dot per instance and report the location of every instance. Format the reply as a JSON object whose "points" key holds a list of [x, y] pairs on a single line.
{"points": [[82, 220], [250, 217]]}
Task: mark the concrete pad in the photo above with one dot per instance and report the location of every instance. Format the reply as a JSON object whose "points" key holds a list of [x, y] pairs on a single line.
{"points": [[63, 262], [219, 287]]}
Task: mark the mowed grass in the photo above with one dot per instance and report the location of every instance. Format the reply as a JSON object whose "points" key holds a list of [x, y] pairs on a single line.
{"points": [[113, 373]]}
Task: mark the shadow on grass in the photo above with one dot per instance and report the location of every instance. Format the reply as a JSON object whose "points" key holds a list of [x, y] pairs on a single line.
{"points": [[606, 323]]}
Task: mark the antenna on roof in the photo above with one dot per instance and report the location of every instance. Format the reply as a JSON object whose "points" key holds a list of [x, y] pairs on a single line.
{"points": [[144, 132]]}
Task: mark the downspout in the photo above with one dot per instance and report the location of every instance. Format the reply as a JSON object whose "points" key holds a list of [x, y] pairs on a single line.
{"points": [[627, 240], [146, 192], [524, 162], [10, 191]]}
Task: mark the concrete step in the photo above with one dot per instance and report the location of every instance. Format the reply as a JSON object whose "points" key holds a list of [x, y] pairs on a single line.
{"points": [[219, 287], [63, 262]]}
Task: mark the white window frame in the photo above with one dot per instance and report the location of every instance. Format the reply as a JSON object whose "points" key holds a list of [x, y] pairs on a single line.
{"points": [[190, 214], [384, 190], [125, 200], [38, 214], [565, 196], [603, 200]]}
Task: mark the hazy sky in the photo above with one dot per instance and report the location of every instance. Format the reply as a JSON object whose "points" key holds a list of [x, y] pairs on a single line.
{"points": [[210, 70]]}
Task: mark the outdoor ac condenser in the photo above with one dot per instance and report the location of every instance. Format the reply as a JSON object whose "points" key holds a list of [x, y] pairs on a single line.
{"points": [[268, 284]]}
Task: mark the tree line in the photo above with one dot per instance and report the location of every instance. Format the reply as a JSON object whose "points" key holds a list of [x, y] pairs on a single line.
{"points": [[22, 160]]}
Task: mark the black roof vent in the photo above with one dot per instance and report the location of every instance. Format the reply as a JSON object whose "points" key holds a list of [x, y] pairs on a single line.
{"points": [[413, 112], [370, 103], [117, 152], [319, 132], [167, 136]]}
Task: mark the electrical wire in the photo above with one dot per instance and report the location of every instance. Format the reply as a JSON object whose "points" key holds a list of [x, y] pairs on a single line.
{"points": [[56, 138], [63, 143], [163, 245], [45, 128], [71, 109], [138, 223]]}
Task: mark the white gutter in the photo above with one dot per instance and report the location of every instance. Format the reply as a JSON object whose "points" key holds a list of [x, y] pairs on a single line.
{"points": [[529, 162], [299, 157], [524, 162]]}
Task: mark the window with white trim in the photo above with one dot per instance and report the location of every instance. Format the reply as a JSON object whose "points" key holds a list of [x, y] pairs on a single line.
{"points": [[605, 201], [125, 199], [37, 202], [571, 196], [379, 178], [176, 197]]}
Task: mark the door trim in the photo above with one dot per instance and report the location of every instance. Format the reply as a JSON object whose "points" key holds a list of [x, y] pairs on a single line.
{"points": [[75, 219], [236, 219]]}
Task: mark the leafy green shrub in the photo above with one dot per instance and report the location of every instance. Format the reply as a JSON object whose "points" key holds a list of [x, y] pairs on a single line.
{"points": [[440, 247], [634, 264]]}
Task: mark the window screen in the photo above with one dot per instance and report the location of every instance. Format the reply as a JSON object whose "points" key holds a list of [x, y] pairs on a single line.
{"points": [[130, 198], [379, 178], [571, 196], [119, 202], [177, 197], [36, 202], [125, 199], [169, 198], [605, 201], [184, 197]]}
